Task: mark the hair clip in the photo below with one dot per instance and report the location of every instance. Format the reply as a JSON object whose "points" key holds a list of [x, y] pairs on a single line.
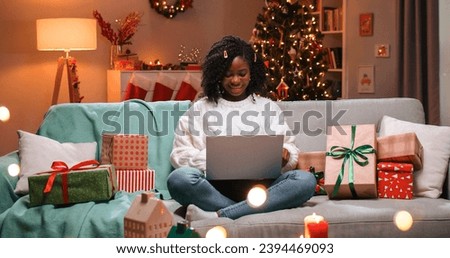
{"points": [[225, 54], [254, 57]]}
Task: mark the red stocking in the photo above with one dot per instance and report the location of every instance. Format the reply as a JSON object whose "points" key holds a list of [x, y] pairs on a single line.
{"points": [[137, 87], [164, 88], [189, 88]]}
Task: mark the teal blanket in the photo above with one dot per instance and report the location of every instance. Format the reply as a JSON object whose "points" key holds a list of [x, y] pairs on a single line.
{"points": [[86, 123]]}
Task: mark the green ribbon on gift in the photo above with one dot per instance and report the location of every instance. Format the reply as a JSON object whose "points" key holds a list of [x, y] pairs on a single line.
{"points": [[351, 155]]}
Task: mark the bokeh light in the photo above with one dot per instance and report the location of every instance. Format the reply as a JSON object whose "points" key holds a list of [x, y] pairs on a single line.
{"points": [[216, 232], [13, 170], [4, 114], [257, 196], [403, 220]]}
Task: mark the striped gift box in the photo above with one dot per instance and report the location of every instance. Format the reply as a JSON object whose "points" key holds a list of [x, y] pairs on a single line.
{"points": [[132, 180]]}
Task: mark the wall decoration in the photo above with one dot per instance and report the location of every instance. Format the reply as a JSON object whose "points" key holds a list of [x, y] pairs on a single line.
{"points": [[164, 7], [366, 24], [382, 50], [366, 79]]}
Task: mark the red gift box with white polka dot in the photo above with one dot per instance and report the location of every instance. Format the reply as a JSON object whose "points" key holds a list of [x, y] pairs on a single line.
{"points": [[395, 180], [125, 151]]}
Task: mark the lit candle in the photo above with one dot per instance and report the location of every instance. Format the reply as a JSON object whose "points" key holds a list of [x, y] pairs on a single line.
{"points": [[316, 226]]}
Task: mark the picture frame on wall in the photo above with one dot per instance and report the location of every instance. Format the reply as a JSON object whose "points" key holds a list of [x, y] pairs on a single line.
{"points": [[366, 79], [366, 24]]}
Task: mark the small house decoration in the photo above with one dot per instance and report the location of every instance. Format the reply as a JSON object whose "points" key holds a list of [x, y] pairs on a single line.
{"points": [[147, 217], [282, 90]]}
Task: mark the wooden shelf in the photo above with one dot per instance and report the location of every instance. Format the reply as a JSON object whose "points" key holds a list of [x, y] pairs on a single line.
{"points": [[334, 38]]}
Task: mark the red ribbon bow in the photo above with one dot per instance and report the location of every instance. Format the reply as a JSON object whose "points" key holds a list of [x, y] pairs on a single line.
{"points": [[60, 167]]}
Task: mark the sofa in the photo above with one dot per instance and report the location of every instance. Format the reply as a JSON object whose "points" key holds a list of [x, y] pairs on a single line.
{"points": [[347, 218]]}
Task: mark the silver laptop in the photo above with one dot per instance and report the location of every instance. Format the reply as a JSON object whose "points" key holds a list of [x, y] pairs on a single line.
{"points": [[243, 157]]}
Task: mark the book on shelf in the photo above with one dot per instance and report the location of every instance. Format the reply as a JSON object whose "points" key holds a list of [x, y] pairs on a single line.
{"points": [[334, 57], [338, 56], [332, 19]]}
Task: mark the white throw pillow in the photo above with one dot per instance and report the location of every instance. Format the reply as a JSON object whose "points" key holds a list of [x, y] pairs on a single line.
{"points": [[37, 153], [428, 181]]}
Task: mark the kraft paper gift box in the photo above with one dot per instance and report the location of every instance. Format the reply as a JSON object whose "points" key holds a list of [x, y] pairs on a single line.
{"points": [[395, 180], [125, 151], [73, 185], [314, 162], [309, 159], [402, 148], [132, 180], [350, 164]]}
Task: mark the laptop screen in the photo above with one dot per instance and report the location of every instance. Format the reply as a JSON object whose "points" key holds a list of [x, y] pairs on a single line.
{"points": [[243, 157]]}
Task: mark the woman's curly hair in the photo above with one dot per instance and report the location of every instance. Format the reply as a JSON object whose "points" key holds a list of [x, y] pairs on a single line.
{"points": [[218, 61]]}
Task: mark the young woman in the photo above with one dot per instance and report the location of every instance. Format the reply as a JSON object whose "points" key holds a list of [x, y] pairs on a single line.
{"points": [[233, 76]]}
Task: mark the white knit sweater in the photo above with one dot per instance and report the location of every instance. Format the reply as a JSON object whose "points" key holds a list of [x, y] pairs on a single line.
{"points": [[261, 116]]}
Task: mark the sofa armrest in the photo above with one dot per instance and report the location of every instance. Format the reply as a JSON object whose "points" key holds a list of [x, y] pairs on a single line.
{"points": [[446, 188], [7, 182]]}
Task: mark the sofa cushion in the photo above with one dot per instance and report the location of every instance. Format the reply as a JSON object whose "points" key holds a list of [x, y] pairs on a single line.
{"points": [[37, 153], [428, 181], [346, 218]]}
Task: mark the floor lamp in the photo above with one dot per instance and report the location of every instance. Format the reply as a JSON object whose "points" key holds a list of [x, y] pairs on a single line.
{"points": [[66, 34]]}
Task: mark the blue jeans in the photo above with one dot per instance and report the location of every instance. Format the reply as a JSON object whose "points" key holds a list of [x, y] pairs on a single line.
{"points": [[189, 186]]}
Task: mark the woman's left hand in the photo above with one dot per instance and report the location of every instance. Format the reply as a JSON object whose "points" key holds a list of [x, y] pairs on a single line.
{"points": [[285, 157]]}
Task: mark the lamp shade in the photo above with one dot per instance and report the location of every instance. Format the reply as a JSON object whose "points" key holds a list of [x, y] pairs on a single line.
{"points": [[66, 34]]}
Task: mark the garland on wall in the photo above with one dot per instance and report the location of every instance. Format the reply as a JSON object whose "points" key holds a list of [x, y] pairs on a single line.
{"points": [[170, 10]]}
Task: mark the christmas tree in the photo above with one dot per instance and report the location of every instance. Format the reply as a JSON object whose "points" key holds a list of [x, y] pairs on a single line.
{"points": [[288, 36]]}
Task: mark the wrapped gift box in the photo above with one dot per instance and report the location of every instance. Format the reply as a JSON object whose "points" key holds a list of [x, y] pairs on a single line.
{"points": [[320, 179], [73, 186], [348, 174], [395, 180], [132, 180], [125, 151], [401, 148], [314, 159], [314, 162]]}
